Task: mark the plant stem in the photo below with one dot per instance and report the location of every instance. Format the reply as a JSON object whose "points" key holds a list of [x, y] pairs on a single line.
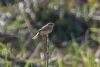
{"points": [[47, 51]]}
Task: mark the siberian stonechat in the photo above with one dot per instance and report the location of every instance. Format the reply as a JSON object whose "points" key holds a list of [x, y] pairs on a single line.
{"points": [[45, 30]]}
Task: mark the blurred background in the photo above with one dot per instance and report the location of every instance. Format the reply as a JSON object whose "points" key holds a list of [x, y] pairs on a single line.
{"points": [[74, 41]]}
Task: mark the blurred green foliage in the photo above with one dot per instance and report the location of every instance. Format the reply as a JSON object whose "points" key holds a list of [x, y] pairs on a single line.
{"points": [[72, 20]]}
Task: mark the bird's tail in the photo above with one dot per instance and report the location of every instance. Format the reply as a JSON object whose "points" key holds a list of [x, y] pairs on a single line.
{"points": [[36, 36]]}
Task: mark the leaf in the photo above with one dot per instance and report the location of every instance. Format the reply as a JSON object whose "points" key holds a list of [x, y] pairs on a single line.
{"points": [[15, 25], [93, 29]]}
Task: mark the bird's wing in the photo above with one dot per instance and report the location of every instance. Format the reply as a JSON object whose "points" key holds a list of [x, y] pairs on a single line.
{"points": [[36, 36], [44, 27]]}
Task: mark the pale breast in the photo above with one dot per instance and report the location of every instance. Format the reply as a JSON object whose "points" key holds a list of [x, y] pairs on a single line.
{"points": [[46, 30]]}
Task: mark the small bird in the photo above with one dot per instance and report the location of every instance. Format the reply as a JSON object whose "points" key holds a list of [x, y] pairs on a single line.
{"points": [[45, 30]]}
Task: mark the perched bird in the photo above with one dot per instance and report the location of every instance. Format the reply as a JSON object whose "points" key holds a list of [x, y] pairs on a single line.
{"points": [[45, 30]]}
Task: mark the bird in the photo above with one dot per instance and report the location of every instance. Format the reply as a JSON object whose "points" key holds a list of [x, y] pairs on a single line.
{"points": [[45, 30]]}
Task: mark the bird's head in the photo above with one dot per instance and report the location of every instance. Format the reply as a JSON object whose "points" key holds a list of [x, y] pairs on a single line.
{"points": [[51, 24]]}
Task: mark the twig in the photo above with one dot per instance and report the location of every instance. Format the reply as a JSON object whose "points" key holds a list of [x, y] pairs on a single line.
{"points": [[47, 51]]}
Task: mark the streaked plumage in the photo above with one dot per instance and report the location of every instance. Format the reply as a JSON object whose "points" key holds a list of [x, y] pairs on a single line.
{"points": [[45, 30]]}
